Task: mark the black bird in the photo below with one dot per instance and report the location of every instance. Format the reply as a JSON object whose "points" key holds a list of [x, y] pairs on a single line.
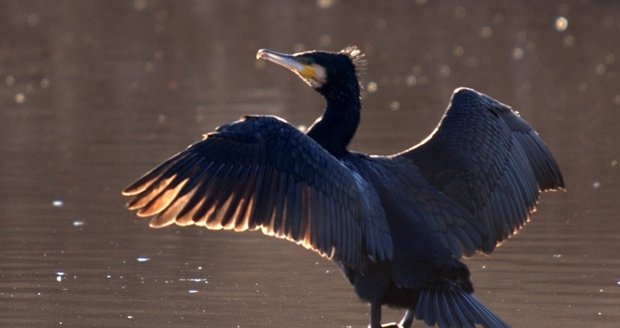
{"points": [[396, 225]]}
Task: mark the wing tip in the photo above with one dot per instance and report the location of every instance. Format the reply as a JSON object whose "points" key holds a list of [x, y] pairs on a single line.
{"points": [[160, 222], [133, 189]]}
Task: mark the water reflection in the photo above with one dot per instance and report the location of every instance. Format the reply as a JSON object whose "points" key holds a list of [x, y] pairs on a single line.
{"points": [[94, 93]]}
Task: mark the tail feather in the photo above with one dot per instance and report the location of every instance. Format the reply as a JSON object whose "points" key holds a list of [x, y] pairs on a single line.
{"points": [[455, 309]]}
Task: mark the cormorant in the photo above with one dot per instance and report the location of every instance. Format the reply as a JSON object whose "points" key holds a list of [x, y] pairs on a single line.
{"points": [[396, 225]]}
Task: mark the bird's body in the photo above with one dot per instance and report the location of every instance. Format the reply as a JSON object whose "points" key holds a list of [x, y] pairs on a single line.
{"points": [[396, 225]]}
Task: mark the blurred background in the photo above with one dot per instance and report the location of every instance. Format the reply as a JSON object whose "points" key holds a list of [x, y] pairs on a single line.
{"points": [[94, 93]]}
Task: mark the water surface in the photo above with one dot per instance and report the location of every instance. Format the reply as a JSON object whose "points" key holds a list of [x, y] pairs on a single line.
{"points": [[94, 93]]}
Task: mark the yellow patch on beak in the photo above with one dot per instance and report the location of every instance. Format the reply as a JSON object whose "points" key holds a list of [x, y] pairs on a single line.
{"points": [[315, 75], [307, 72]]}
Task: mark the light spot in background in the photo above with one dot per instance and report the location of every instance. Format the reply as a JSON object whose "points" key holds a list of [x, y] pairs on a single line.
{"points": [[45, 83], [583, 87], [325, 40], [485, 32], [140, 5], [614, 163], [498, 19], [380, 24], [323, 4], [143, 259], [78, 223], [569, 41], [472, 61], [193, 291], [148, 67], [458, 51], [459, 12], [517, 53], [19, 98], [394, 106], [33, 20], [444, 71], [9, 80], [60, 275], [194, 280], [617, 100], [561, 23], [372, 87], [596, 184], [610, 59], [600, 69], [299, 47], [58, 203], [411, 80]]}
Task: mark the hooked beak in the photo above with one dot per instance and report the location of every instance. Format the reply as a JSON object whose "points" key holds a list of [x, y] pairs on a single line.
{"points": [[307, 72]]}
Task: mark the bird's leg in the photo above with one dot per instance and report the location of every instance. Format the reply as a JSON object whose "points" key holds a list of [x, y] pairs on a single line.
{"points": [[375, 315], [407, 320], [375, 318]]}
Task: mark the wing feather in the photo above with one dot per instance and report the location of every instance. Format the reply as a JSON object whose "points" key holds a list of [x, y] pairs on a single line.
{"points": [[262, 173], [488, 160]]}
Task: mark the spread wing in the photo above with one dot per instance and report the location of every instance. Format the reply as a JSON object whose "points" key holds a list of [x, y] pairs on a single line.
{"points": [[262, 173], [490, 161]]}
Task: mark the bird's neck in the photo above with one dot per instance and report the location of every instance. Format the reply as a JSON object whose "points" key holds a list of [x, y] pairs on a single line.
{"points": [[336, 127]]}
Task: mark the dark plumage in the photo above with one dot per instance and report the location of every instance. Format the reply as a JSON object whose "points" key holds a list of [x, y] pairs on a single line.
{"points": [[397, 225]]}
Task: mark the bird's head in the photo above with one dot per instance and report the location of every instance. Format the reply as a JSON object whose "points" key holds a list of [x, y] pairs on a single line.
{"points": [[333, 74]]}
